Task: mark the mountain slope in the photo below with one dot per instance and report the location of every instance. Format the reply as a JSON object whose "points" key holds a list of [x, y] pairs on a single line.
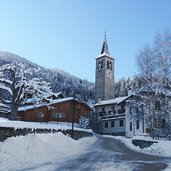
{"points": [[60, 80]]}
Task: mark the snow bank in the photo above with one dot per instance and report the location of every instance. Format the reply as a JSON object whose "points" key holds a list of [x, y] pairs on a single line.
{"points": [[162, 148], [37, 125], [3, 119], [33, 150]]}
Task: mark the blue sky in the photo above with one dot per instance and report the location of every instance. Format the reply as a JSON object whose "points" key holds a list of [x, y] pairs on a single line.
{"points": [[68, 34]]}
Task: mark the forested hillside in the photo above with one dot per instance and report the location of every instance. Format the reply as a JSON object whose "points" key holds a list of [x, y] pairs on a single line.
{"points": [[60, 80]]}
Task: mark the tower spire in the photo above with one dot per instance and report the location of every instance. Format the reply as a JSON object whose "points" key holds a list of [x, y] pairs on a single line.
{"points": [[105, 46]]}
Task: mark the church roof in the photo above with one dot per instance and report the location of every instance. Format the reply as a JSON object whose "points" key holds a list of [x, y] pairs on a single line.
{"points": [[105, 46], [105, 49]]}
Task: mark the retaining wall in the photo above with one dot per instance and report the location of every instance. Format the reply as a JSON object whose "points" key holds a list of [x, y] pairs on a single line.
{"points": [[143, 143], [6, 132]]}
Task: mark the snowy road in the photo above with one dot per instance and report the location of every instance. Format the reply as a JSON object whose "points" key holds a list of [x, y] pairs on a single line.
{"points": [[112, 155]]}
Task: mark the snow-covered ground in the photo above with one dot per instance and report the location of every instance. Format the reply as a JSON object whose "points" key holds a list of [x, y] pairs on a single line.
{"points": [[45, 151], [162, 148], [17, 153], [50, 125]]}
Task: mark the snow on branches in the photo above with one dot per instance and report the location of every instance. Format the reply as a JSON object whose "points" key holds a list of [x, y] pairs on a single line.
{"points": [[154, 83], [17, 85], [83, 122]]}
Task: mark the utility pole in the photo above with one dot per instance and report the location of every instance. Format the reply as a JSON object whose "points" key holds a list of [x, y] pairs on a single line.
{"points": [[73, 114], [143, 117]]}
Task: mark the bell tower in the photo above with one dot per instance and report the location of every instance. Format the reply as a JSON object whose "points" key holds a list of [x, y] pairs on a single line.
{"points": [[104, 76]]}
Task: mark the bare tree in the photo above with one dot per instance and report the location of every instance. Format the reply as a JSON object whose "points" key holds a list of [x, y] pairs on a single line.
{"points": [[154, 65], [162, 53]]}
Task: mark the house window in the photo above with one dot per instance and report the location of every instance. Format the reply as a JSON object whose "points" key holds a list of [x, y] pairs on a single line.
{"points": [[106, 124], [122, 106], [103, 111], [130, 126], [121, 123], [130, 110], [113, 109], [138, 124], [40, 115], [112, 123], [57, 115], [122, 109]]}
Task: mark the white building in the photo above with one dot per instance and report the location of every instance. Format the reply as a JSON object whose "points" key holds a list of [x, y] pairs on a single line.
{"points": [[111, 116], [146, 117], [135, 124], [118, 117]]}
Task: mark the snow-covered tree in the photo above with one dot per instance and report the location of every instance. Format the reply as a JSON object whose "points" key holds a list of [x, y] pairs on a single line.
{"points": [[84, 122], [122, 87], [163, 54], [61, 81], [154, 83], [18, 85]]}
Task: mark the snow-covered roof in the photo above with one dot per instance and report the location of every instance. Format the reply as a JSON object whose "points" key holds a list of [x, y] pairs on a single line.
{"points": [[61, 100], [46, 96], [105, 49], [104, 54], [24, 108], [28, 107], [117, 100]]}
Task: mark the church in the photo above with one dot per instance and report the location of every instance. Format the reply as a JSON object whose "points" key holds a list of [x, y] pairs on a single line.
{"points": [[119, 116], [113, 116], [109, 111]]}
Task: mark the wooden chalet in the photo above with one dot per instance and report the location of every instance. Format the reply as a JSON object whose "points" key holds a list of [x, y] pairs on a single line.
{"points": [[60, 110]]}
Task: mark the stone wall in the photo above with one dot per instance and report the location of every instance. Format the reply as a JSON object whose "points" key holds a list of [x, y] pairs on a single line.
{"points": [[6, 132], [143, 143]]}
